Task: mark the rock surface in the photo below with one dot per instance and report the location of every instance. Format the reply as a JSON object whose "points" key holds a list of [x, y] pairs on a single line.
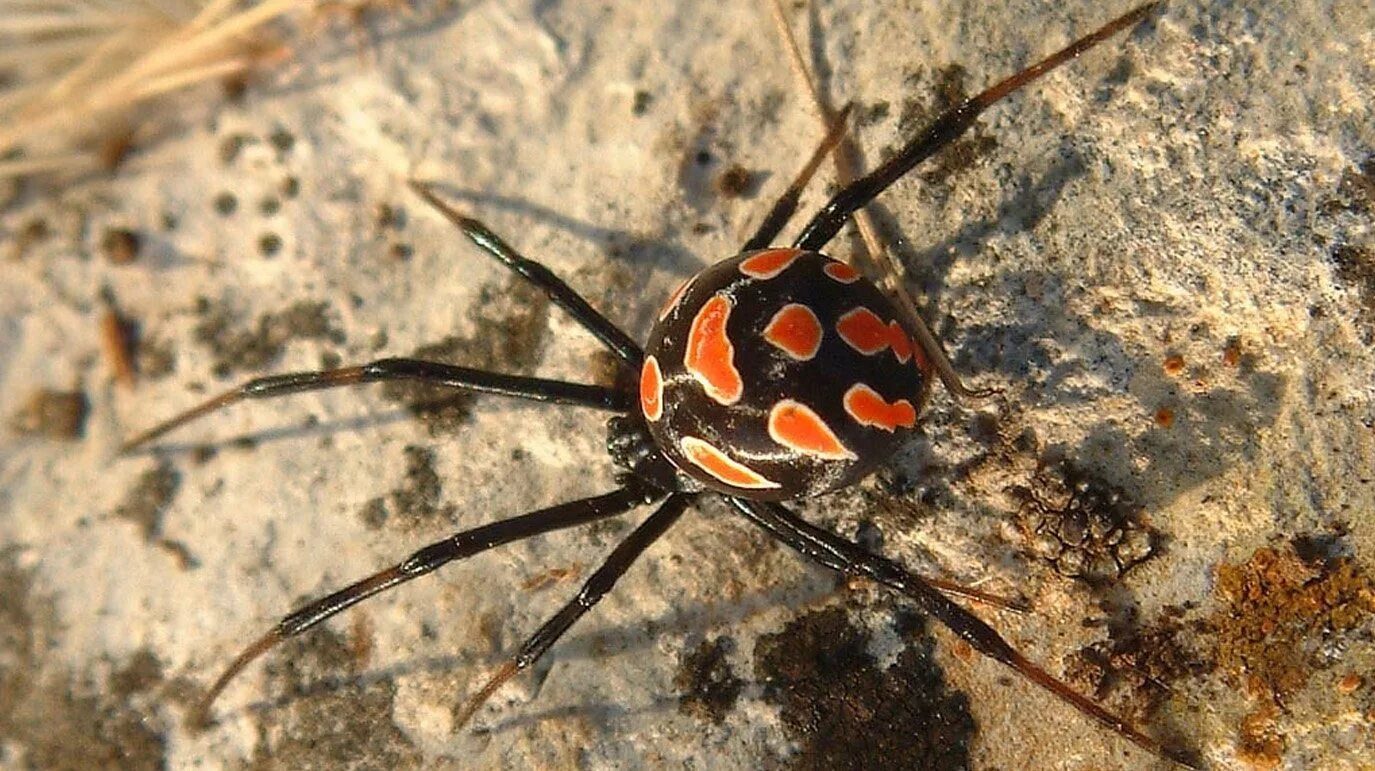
{"points": [[1163, 257]]}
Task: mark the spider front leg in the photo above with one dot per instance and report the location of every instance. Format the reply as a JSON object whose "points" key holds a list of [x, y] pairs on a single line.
{"points": [[426, 560], [563, 295], [448, 375], [950, 126], [601, 582], [850, 558]]}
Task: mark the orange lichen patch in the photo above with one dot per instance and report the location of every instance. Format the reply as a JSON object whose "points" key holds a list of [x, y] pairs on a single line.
{"points": [[770, 263], [795, 426], [722, 467], [674, 298], [869, 408], [841, 272], [1164, 417], [1173, 365], [867, 333], [1231, 353], [1349, 683], [1278, 614], [795, 330], [710, 356], [652, 389]]}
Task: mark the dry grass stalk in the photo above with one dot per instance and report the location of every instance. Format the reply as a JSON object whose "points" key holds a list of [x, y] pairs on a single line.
{"points": [[74, 73]]}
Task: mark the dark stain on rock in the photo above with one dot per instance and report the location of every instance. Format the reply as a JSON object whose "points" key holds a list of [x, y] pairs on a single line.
{"points": [[1355, 267], [1083, 526], [374, 514], [154, 358], [1356, 191], [1133, 670], [709, 686], [53, 414], [237, 348], [510, 323], [947, 90], [145, 503], [321, 722], [60, 720], [418, 501], [846, 712]]}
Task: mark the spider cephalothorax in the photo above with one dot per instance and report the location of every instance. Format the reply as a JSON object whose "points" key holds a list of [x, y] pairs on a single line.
{"points": [[779, 374]]}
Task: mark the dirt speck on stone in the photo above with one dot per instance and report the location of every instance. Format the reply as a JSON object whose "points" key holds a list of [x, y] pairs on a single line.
{"points": [[418, 502], [846, 711], [736, 181], [149, 498], [53, 414], [708, 684], [120, 246]]}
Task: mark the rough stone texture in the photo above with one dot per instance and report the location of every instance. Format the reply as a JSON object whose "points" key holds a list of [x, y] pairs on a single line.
{"points": [[1159, 255]]}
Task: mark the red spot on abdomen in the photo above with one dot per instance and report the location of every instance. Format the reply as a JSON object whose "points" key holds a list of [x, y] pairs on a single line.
{"points": [[795, 330], [795, 426], [770, 263], [869, 408], [722, 467], [865, 332], [710, 356], [652, 389], [841, 272]]}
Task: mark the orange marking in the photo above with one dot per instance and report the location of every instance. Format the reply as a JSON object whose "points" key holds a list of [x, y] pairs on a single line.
{"points": [[841, 272], [863, 330], [674, 298], [870, 408], [769, 263], [795, 330], [866, 333], [721, 466], [795, 426], [902, 346], [652, 389], [710, 356]]}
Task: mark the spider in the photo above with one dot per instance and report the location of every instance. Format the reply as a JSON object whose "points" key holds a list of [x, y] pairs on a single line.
{"points": [[775, 375]]}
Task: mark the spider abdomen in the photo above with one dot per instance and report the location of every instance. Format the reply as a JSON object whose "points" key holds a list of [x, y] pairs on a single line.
{"points": [[780, 374]]}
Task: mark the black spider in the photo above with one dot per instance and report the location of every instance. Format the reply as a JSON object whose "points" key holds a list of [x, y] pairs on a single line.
{"points": [[774, 375]]}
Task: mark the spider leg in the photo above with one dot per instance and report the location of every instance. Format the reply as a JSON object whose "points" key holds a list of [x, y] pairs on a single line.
{"points": [[448, 375], [847, 162], [425, 560], [944, 130], [849, 558], [596, 587], [786, 205], [610, 335]]}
